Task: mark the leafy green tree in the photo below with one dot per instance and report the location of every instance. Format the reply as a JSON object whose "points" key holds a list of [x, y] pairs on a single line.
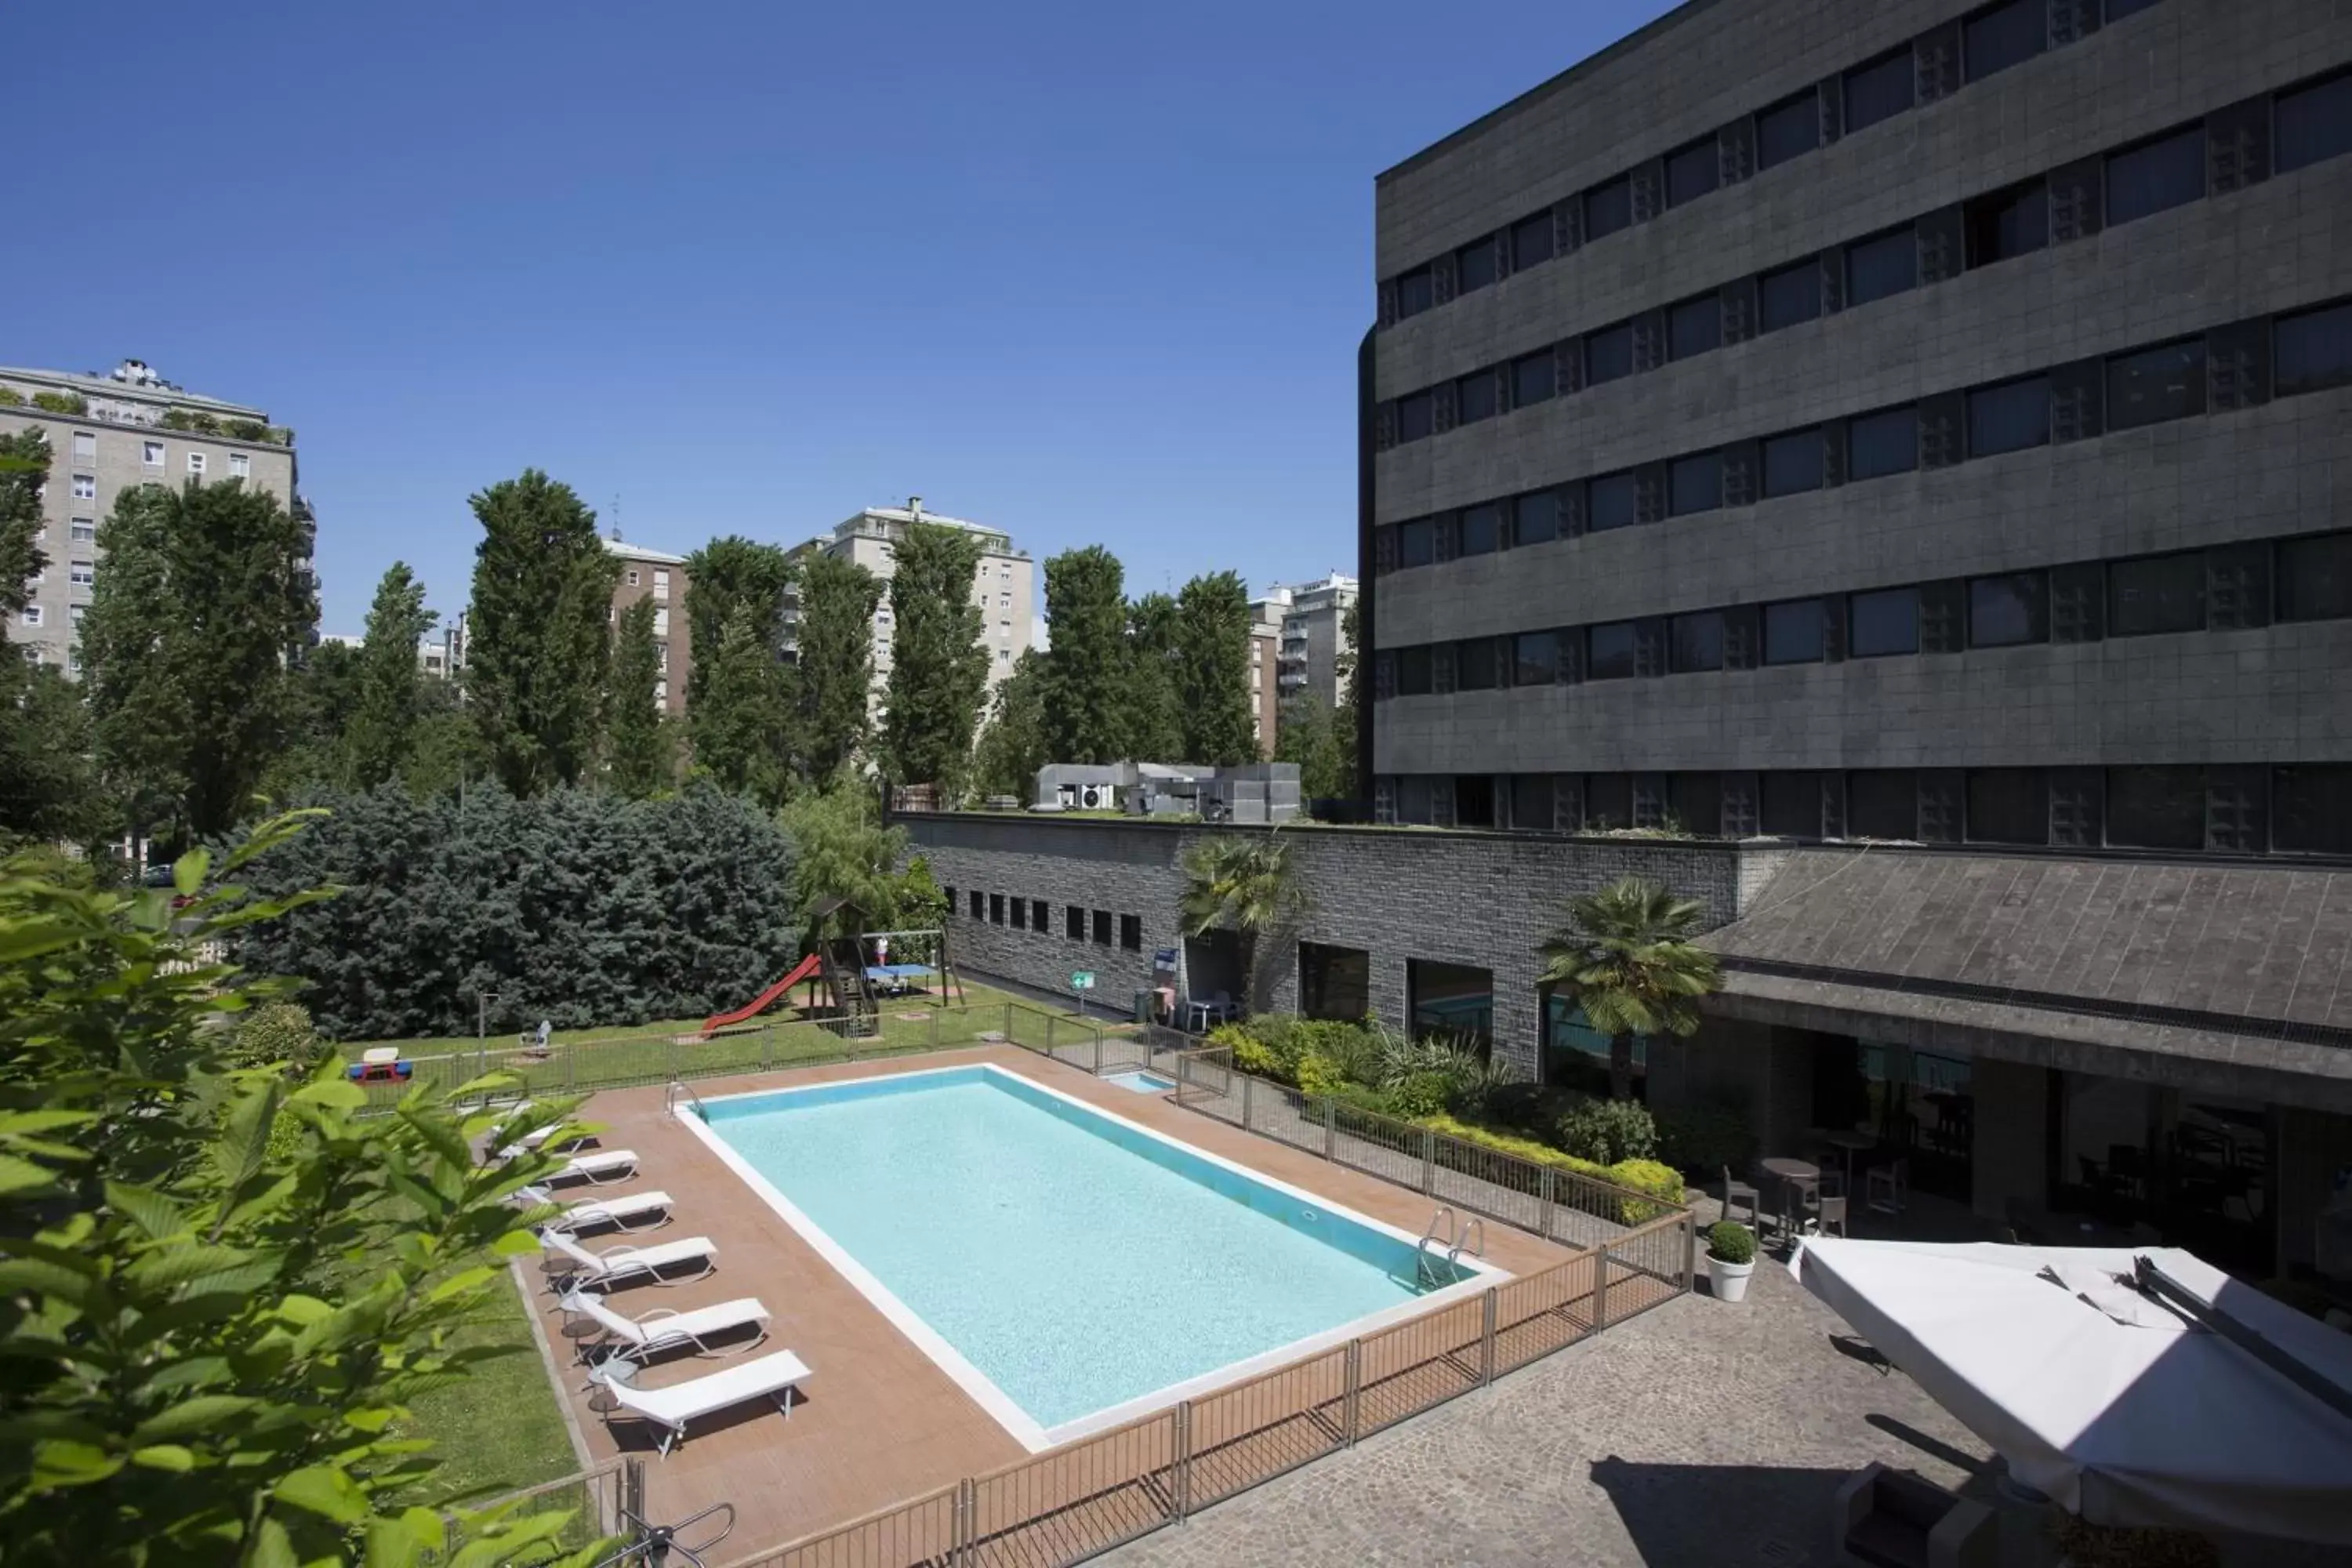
{"points": [[727, 575], [1308, 734], [197, 1374], [1245, 881], [204, 602], [1013, 746], [322, 693], [1213, 694], [833, 677], [447, 750], [842, 850], [383, 722], [1086, 669], [1155, 731], [24, 469], [741, 724], [48, 787], [539, 631], [640, 755], [1346, 720], [939, 669], [1626, 957]]}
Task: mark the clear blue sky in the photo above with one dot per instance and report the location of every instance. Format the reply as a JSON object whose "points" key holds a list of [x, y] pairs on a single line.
{"points": [[1086, 273]]}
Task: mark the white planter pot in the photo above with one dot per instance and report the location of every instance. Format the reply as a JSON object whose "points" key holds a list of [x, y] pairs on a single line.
{"points": [[1729, 1280]]}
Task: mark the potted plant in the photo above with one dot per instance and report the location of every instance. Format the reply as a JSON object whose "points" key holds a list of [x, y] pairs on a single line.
{"points": [[1731, 1258]]}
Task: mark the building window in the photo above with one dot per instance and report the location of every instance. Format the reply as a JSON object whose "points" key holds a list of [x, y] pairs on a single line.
{"points": [[2008, 222], [31, 615], [1417, 542], [1791, 807], [1532, 378], [1531, 801], [2166, 173], [2156, 385], [1789, 129], [1613, 500], [151, 453], [2156, 593], [196, 464], [661, 622], [2156, 809], [1694, 642], [240, 466], [1608, 801], [1535, 520], [85, 486], [1475, 666], [661, 583], [1020, 915], [1414, 294], [1691, 172], [83, 531], [1482, 530], [2315, 578], [2313, 123], [1412, 672], [1074, 922], [1531, 241], [630, 576], [1792, 464], [996, 909], [85, 447], [1040, 916], [976, 906], [1694, 326], [1879, 90], [1003, 601], [2009, 418], [1793, 632], [1474, 266], [2009, 806], [1415, 417], [1004, 655], [1131, 932], [2314, 351], [1882, 804], [1884, 442], [74, 612], [1473, 398], [1535, 658], [2002, 36], [1607, 208], [1610, 654], [1882, 623], [1883, 265], [73, 660], [1694, 484], [1788, 296], [2311, 810], [1102, 928], [2007, 610], [81, 574], [1609, 353]]}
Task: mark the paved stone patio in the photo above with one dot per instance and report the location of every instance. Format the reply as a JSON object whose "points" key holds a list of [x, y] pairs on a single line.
{"points": [[1699, 1433]]}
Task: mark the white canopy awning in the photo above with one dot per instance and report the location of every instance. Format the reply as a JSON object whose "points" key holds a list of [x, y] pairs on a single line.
{"points": [[2119, 1408]]}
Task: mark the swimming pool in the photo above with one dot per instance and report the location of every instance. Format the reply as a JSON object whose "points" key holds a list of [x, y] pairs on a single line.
{"points": [[1068, 1267]]}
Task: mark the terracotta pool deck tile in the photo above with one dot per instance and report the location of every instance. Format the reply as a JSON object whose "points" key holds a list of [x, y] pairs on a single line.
{"points": [[878, 1423]]}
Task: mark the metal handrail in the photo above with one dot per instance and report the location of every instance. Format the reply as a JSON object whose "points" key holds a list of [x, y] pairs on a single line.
{"points": [[679, 1088]]}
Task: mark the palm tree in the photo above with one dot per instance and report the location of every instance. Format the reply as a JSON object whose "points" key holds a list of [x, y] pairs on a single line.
{"points": [[1626, 957], [1242, 880]]}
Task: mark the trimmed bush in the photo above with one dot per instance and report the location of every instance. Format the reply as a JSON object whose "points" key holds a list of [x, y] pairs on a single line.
{"points": [[279, 1032], [1640, 1175], [1606, 1132], [1728, 1241]]}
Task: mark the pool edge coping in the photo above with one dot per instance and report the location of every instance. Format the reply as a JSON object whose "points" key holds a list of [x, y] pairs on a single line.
{"points": [[1025, 1428]]}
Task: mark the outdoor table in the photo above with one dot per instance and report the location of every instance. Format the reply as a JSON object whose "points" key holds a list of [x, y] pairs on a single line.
{"points": [[579, 1330], [1853, 1144], [1792, 1174], [613, 1370]]}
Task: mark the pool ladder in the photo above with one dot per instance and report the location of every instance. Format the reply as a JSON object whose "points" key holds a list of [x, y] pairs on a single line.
{"points": [[680, 1089], [1446, 1230]]}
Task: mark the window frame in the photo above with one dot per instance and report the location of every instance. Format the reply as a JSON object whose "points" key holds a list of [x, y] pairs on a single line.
{"points": [[1881, 72], [1630, 656], [1682, 311], [2130, 405], [1611, 336], [1859, 605], [1791, 441], [1543, 360], [2188, 142], [1798, 109], [1701, 156], [1875, 420], [1905, 238], [1982, 402], [2035, 602], [2154, 607], [1701, 500], [1688, 642], [1779, 612], [1798, 280]]}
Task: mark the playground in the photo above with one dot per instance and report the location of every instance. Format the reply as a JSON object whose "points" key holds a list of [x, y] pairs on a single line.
{"points": [[850, 971]]}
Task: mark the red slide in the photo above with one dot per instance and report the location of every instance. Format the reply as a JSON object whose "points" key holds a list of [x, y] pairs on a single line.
{"points": [[801, 971]]}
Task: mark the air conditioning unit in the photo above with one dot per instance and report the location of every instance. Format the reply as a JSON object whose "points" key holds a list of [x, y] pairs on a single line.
{"points": [[1092, 797]]}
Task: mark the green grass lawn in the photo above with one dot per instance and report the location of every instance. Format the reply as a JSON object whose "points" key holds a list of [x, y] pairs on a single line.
{"points": [[499, 1430]]}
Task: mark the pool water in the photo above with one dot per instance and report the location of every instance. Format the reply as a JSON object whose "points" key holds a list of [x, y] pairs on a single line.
{"points": [[1140, 1082], [1074, 1261]]}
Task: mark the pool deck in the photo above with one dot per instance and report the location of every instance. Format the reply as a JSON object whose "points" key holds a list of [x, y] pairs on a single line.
{"points": [[880, 1423]]}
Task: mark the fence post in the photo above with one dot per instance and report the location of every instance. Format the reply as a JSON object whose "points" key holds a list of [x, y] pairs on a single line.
{"points": [[1181, 1480], [1050, 1021], [670, 1056], [633, 1486], [1247, 1081], [571, 1067], [966, 1504], [1008, 1022], [1600, 1287], [1098, 1053], [935, 1028], [1331, 1131], [1486, 1340], [1349, 1400], [1428, 1164], [1546, 1186]]}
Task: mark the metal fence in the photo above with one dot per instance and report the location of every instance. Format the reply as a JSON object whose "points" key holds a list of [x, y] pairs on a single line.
{"points": [[1073, 1502], [1553, 1203], [594, 1498]]}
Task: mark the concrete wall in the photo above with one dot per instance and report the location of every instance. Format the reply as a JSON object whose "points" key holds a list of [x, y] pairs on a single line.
{"points": [[1480, 900]]}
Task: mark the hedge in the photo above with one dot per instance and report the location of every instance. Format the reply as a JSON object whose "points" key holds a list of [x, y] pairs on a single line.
{"points": [[1641, 1175]]}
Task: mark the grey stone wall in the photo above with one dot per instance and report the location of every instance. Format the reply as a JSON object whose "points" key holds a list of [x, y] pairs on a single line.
{"points": [[1480, 900]]}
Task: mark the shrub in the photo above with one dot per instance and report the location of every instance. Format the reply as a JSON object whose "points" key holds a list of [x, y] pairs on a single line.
{"points": [[1640, 1175], [1703, 1139], [277, 1033], [1250, 1054], [1419, 1094], [1319, 1076], [1647, 1177], [247, 429], [1606, 1132], [11, 398], [1728, 1241], [61, 402]]}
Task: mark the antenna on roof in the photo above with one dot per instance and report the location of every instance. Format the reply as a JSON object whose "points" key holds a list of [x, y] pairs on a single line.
{"points": [[616, 516]]}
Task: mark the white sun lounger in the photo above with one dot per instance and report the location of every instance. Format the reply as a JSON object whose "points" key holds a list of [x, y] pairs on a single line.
{"points": [[770, 1376], [604, 1166], [605, 1269], [662, 1330], [624, 1211]]}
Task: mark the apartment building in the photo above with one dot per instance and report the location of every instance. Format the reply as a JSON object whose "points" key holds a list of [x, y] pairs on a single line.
{"points": [[108, 434], [662, 577], [1004, 586], [1314, 642], [1910, 422], [1265, 617]]}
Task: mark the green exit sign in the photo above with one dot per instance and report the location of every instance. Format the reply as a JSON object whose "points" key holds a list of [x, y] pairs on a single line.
{"points": [[1082, 980]]}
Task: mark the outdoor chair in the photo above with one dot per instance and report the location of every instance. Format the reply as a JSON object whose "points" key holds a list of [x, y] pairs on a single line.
{"points": [[619, 1265], [1889, 1186], [773, 1376], [604, 1166], [629, 1211], [662, 1330], [1736, 1192], [1822, 1205]]}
